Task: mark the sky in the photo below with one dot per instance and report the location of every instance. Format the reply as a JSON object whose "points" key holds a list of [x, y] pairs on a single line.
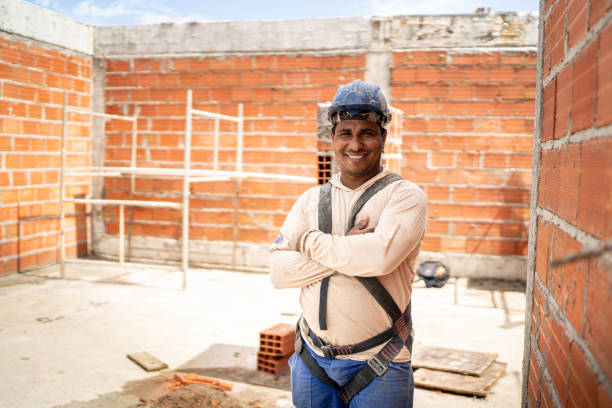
{"points": [[119, 12]]}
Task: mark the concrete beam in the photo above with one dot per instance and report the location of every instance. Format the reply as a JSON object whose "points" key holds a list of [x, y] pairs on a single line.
{"points": [[518, 29], [30, 21], [352, 34], [234, 37]]}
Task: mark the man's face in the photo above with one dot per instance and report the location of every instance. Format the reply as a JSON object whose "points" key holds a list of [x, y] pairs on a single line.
{"points": [[358, 145]]}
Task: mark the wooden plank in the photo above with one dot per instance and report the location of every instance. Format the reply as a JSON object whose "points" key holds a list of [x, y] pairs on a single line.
{"points": [[458, 383], [451, 360], [147, 361]]}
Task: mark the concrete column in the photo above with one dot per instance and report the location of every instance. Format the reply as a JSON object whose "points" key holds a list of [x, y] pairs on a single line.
{"points": [[98, 146], [380, 58]]}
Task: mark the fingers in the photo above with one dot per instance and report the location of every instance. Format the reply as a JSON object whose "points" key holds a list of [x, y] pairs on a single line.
{"points": [[361, 227], [362, 223]]}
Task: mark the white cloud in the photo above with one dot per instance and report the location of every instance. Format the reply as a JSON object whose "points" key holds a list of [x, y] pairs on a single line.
{"points": [[128, 12], [43, 3], [398, 7]]}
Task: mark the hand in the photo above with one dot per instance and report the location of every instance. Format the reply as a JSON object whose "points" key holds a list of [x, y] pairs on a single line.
{"points": [[361, 228]]}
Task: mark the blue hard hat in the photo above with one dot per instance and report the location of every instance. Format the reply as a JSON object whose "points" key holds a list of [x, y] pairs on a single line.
{"points": [[359, 100]]}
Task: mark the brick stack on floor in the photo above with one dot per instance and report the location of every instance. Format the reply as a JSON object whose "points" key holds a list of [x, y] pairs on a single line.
{"points": [[276, 344]]}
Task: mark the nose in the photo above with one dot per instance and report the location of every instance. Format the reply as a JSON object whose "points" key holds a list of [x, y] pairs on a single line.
{"points": [[354, 144]]}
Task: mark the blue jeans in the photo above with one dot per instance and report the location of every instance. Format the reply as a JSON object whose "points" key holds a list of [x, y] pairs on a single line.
{"points": [[393, 389]]}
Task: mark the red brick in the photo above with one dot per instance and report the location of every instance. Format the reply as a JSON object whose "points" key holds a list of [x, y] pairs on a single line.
{"points": [[438, 193], [604, 68], [516, 91], [420, 58], [582, 390], [495, 247], [533, 386], [598, 9], [577, 21], [563, 102], [595, 190], [543, 247], [584, 88], [556, 34], [442, 159], [277, 340], [481, 58], [506, 74], [437, 227], [518, 58], [273, 365], [464, 194]]}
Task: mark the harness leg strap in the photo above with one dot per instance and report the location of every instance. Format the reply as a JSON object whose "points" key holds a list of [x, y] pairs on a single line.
{"points": [[310, 362]]}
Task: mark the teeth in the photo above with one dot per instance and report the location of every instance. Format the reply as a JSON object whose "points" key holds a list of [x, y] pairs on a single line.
{"points": [[355, 156]]}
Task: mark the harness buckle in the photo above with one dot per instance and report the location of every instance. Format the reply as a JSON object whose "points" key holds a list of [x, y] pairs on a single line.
{"points": [[327, 351], [377, 366]]}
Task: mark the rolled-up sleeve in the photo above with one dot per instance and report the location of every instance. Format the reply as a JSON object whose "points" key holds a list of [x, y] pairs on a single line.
{"points": [[399, 231], [288, 267]]}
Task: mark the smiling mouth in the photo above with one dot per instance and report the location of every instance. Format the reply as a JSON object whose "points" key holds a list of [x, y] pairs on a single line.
{"points": [[355, 156]]}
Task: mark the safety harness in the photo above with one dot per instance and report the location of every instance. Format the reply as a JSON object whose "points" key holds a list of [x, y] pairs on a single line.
{"points": [[397, 336]]}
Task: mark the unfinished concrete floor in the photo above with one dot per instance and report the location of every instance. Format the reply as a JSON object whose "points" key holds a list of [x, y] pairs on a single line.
{"points": [[63, 343]]}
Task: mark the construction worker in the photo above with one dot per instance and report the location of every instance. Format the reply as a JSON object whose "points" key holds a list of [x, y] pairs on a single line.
{"points": [[351, 245]]}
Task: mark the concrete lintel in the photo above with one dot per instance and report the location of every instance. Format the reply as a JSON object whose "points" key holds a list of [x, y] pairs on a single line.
{"points": [[30, 21]]}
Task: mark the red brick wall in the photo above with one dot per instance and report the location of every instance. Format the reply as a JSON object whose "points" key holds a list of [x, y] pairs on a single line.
{"points": [[468, 136], [32, 84], [280, 95], [570, 359]]}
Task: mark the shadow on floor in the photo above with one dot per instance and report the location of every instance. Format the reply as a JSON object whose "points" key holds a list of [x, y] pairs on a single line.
{"points": [[496, 285]]}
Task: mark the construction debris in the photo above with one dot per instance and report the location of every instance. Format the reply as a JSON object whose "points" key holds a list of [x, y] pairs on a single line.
{"points": [[147, 361], [181, 381]]}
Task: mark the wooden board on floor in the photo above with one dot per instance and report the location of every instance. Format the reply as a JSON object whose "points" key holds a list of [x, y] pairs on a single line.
{"points": [[451, 360], [147, 361], [458, 383]]}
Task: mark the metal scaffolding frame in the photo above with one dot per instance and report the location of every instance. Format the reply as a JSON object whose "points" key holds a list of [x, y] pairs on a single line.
{"points": [[188, 175]]}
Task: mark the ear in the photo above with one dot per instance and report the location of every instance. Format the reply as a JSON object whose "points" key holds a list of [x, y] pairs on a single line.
{"points": [[331, 133], [383, 134]]}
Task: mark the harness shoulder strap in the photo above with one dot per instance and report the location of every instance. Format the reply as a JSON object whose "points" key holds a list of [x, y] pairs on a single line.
{"points": [[370, 191], [325, 225], [382, 296]]}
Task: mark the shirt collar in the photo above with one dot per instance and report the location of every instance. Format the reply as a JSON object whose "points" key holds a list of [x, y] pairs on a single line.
{"points": [[335, 181]]}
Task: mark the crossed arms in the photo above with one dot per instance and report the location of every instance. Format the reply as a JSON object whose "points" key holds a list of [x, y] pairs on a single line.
{"points": [[303, 256]]}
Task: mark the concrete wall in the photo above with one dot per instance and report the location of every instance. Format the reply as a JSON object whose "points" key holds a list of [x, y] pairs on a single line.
{"points": [[568, 358], [42, 56], [466, 84]]}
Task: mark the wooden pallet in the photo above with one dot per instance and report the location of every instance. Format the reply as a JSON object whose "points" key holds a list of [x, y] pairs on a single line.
{"points": [[451, 360], [460, 383]]}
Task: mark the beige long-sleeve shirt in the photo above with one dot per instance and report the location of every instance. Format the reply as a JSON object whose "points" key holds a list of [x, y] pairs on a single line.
{"points": [[398, 213]]}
